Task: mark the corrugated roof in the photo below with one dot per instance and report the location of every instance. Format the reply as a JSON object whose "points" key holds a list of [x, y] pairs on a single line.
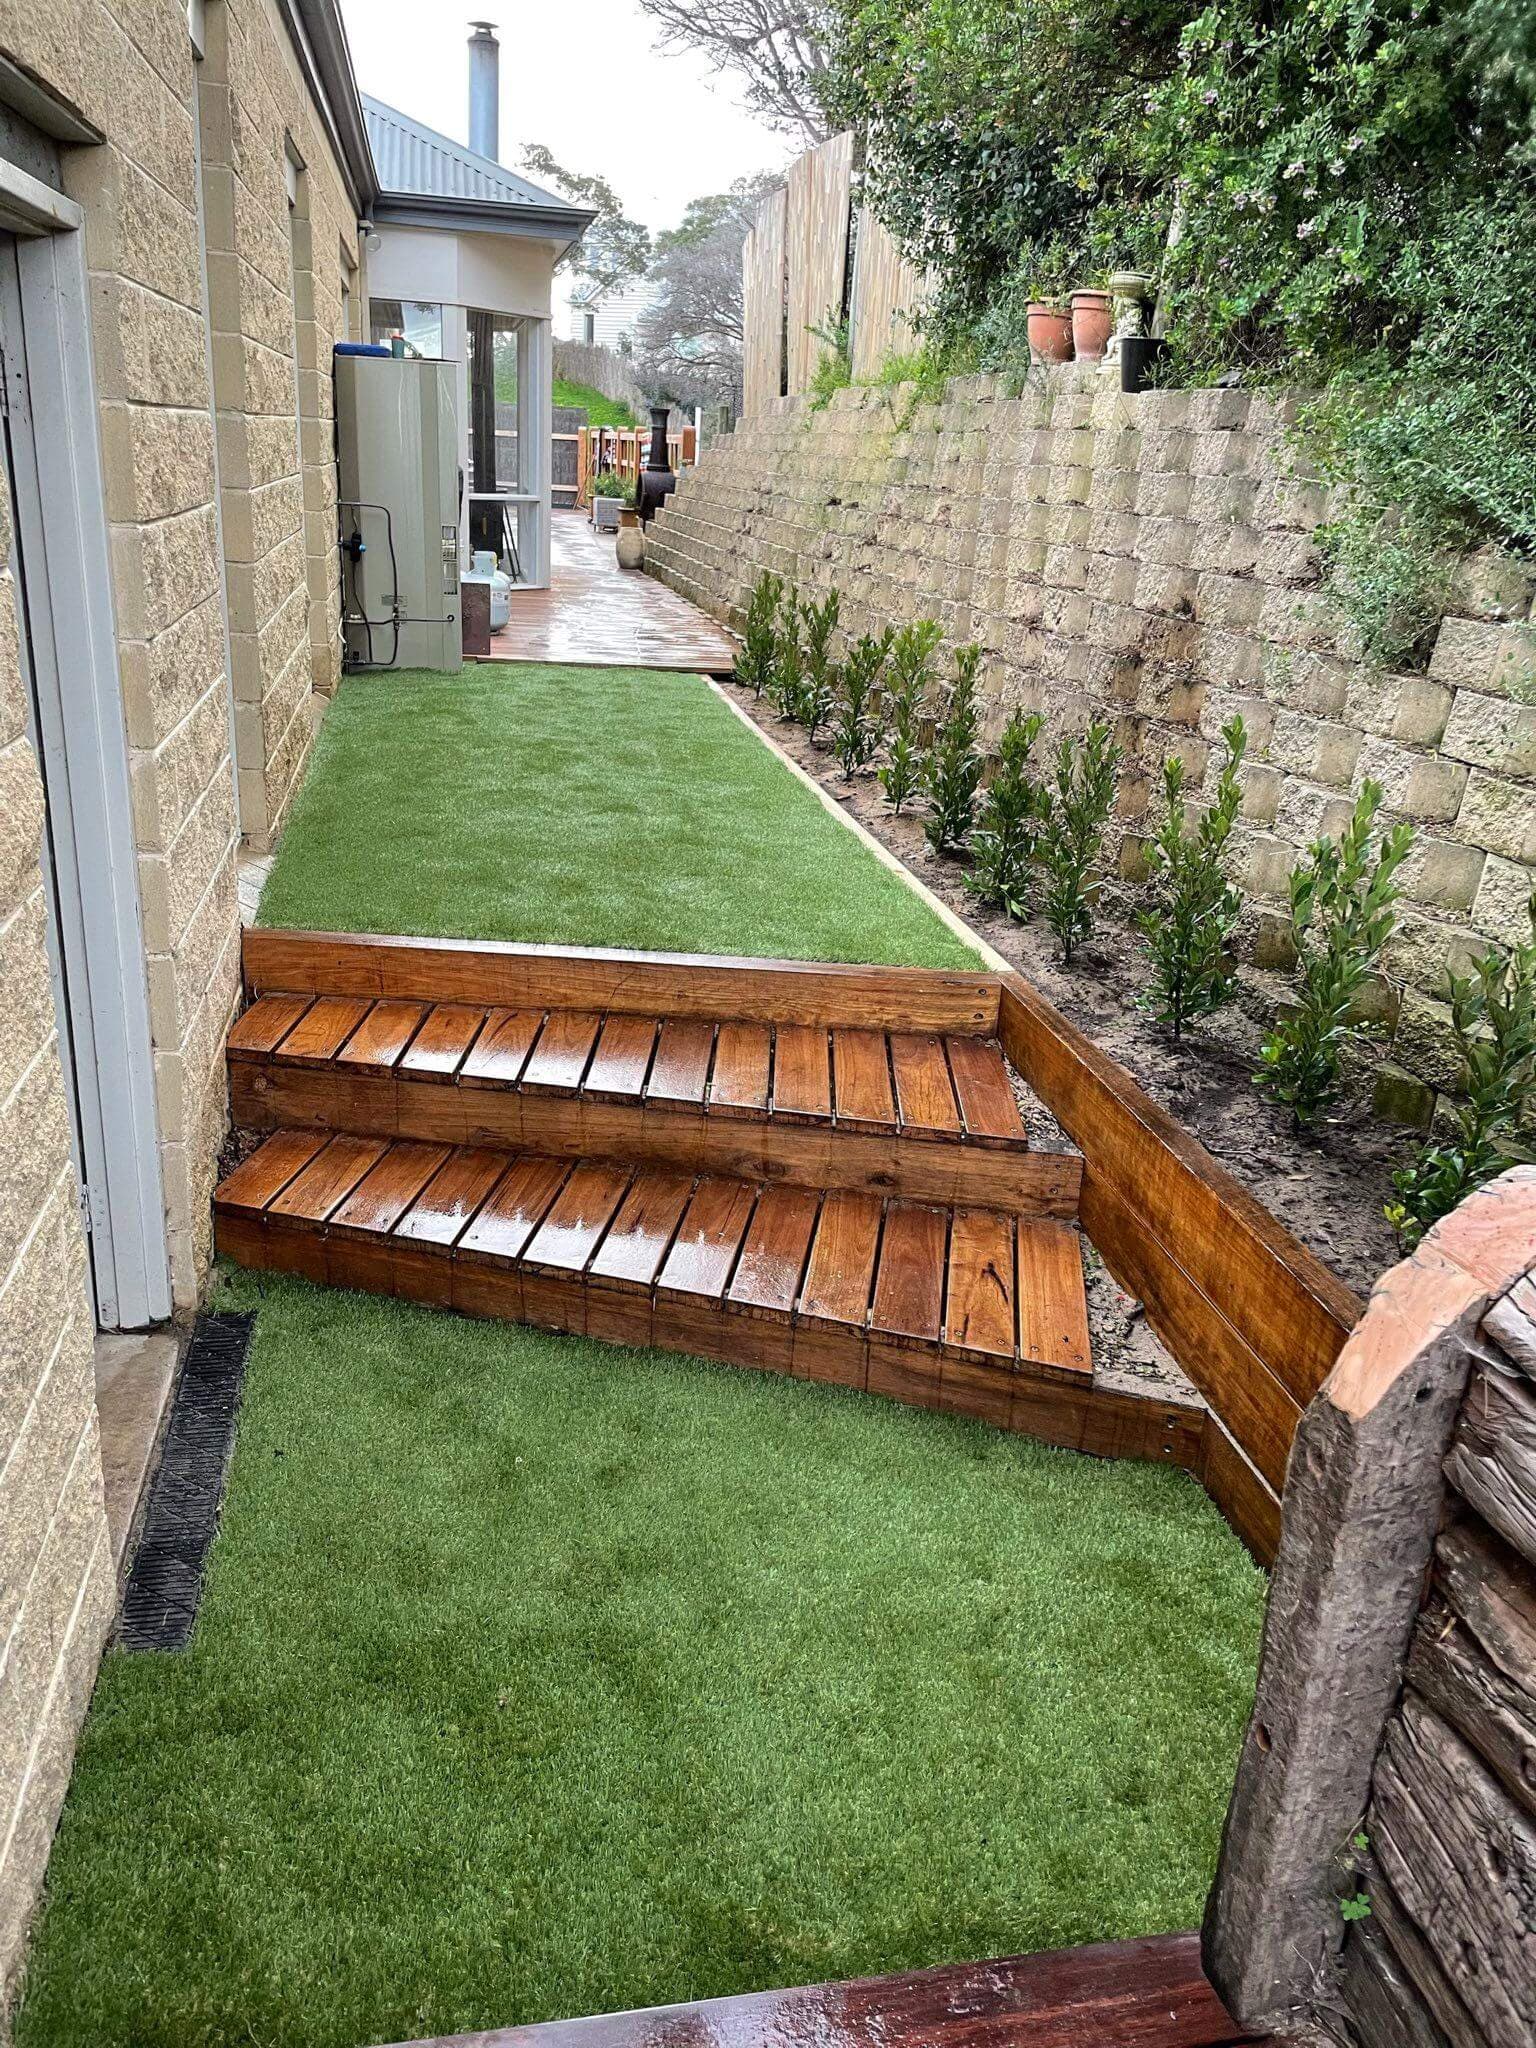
{"points": [[412, 158]]}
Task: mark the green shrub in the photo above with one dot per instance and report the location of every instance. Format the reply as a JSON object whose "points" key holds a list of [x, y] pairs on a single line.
{"points": [[786, 686], [1493, 1014], [1193, 908], [1008, 820], [952, 770], [819, 690], [911, 678], [754, 664], [1343, 907], [833, 370], [856, 727], [1072, 832], [609, 484]]}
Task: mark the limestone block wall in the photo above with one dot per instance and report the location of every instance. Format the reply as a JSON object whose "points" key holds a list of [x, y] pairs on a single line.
{"points": [[1152, 560]]}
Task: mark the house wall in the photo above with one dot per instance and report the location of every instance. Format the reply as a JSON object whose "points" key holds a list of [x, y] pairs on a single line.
{"points": [[1152, 560], [496, 273], [129, 72]]}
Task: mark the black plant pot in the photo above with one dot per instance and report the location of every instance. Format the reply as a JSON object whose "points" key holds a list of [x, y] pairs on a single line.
{"points": [[1138, 352]]}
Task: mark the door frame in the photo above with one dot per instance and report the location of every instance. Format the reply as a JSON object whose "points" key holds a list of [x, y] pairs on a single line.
{"points": [[84, 749]]}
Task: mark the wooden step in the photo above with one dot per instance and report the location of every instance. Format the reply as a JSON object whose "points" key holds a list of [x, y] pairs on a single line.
{"points": [[928, 1114], [972, 1310]]}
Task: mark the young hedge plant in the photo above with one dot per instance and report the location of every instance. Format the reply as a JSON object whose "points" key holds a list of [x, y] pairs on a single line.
{"points": [[952, 770], [912, 652], [855, 726], [786, 683], [819, 691], [754, 664], [1008, 821], [1343, 907], [1193, 908], [1493, 1014], [1072, 832]]}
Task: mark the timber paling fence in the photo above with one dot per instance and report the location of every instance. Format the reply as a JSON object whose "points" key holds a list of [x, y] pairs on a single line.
{"points": [[813, 257]]}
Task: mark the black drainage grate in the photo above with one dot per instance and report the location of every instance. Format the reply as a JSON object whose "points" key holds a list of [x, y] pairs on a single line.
{"points": [[160, 1605]]}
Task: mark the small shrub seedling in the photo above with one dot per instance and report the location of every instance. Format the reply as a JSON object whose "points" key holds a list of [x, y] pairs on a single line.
{"points": [[819, 691], [1493, 1015], [1193, 908], [856, 728], [952, 770], [786, 685], [1008, 820], [1072, 832], [754, 665], [1343, 907], [912, 652]]}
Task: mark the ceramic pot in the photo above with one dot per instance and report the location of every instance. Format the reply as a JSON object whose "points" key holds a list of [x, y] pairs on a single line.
{"points": [[1092, 324], [1050, 332], [629, 548]]}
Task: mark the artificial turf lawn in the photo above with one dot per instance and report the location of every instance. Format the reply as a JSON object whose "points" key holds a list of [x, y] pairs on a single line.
{"points": [[537, 1677], [579, 806]]}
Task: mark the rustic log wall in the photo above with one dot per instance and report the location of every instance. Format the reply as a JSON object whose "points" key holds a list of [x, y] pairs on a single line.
{"points": [[1392, 1752]]}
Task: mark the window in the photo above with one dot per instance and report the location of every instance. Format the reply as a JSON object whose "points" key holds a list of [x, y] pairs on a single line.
{"points": [[589, 328], [417, 323]]}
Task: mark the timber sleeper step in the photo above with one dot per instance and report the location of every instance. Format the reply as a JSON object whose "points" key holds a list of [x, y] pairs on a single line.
{"points": [[962, 1308]]}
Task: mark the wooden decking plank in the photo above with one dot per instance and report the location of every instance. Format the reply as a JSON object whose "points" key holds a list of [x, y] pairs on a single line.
{"points": [[708, 1238], [680, 1070], [622, 1059], [743, 1057], [925, 1098], [514, 1211], [581, 1212], [861, 1080], [383, 1035], [802, 1074], [641, 1233], [774, 1252], [909, 1286], [323, 1029], [1053, 1306], [840, 1274], [558, 1061], [266, 1023], [327, 1180], [438, 1050], [388, 1189], [979, 1313], [260, 1179], [987, 1100], [499, 1054], [441, 1212]]}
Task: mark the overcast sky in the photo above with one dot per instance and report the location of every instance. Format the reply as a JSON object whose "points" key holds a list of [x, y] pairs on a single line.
{"points": [[583, 78]]}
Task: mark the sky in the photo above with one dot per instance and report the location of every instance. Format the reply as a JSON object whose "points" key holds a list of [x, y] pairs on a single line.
{"points": [[580, 78]]}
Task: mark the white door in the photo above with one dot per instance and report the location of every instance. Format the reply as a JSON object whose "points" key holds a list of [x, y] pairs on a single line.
{"points": [[59, 561]]}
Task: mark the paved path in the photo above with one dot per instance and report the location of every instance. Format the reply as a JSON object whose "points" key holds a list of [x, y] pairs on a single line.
{"points": [[599, 615]]}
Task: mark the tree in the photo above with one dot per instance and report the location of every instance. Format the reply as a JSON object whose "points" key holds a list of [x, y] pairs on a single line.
{"points": [[615, 248], [773, 44], [690, 336]]}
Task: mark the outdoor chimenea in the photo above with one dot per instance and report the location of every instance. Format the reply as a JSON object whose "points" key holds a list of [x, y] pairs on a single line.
{"points": [[656, 479]]}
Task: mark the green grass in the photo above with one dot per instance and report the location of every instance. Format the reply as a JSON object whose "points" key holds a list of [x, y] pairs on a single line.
{"points": [[601, 807], [601, 411], [535, 1677]]}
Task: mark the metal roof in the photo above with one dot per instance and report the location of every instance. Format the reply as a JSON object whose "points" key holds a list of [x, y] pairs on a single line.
{"points": [[412, 159]]}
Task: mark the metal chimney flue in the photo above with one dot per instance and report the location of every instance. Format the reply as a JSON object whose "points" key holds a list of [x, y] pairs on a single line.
{"points": [[485, 90]]}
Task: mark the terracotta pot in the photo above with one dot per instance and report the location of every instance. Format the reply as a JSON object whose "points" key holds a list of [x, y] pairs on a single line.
{"points": [[1093, 322], [1050, 332]]}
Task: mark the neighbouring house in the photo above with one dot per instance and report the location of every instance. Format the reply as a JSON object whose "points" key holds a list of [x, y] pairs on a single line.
{"points": [[189, 214], [609, 315]]}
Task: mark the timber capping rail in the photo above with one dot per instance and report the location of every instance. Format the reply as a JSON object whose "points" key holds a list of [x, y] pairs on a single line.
{"points": [[1252, 1317]]}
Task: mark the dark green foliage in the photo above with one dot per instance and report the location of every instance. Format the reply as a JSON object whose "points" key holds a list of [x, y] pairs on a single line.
{"points": [[1193, 908], [1079, 803], [1493, 1014], [819, 691], [1343, 907], [786, 685], [856, 729], [911, 678], [754, 665], [952, 770], [1008, 820]]}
